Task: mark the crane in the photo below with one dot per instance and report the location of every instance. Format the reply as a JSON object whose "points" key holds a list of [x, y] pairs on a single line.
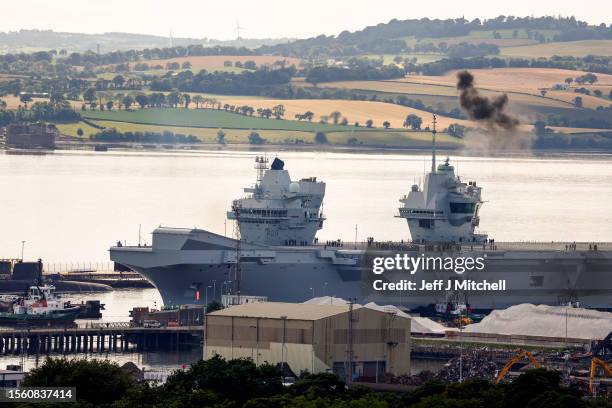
{"points": [[518, 357], [594, 363]]}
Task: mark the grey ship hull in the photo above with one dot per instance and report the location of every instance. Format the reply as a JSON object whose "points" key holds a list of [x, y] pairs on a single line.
{"points": [[181, 262]]}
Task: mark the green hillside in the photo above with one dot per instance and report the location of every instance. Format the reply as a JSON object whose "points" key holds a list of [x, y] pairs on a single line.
{"points": [[208, 118]]}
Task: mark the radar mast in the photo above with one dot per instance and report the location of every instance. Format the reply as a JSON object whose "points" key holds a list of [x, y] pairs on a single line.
{"points": [[433, 145], [261, 165]]}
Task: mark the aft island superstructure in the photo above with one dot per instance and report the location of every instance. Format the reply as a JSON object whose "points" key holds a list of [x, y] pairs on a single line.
{"points": [[278, 256]]}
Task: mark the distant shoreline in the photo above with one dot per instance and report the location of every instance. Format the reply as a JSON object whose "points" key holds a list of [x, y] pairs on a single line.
{"points": [[239, 147]]}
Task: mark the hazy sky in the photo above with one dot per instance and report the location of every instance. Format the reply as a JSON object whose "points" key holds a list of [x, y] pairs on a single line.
{"points": [[266, 18]]}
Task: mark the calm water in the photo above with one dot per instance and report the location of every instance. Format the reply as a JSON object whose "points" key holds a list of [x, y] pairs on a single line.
{"points": [[159, 363], [71, 207]]}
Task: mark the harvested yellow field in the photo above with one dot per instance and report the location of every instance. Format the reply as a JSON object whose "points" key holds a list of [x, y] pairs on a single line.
{"points": [[511, 78], [394, 86], [569, 48], [354, 111], [13, 102], [209, 62], [576, 130], [413, 86], [588, 101]]}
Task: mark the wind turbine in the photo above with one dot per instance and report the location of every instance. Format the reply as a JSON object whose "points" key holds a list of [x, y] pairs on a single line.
{"points": [[238, 28]]}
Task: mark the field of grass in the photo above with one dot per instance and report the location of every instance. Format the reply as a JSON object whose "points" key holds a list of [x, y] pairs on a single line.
{"points": [[570, 48], [209, 118], [208, 135], [353, 111], [70, 129], [477, 37]]}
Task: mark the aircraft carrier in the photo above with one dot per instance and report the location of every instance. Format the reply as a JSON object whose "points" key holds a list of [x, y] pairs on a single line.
{"points": [[278, 256]]}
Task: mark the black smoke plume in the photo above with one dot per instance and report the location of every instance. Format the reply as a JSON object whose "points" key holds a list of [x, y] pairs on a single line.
{"points": [[482, 109]]}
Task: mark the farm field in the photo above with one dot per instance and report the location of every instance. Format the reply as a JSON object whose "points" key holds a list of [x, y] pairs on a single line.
{"points": [[209, 118], [211, 62], [422, 58], [70, 129], [397, 86], [13, 102], [208, 135], [486, 36], [416, 87], [522, 101], [588, 101], [570, 48], [354, 111], [510, 78]]}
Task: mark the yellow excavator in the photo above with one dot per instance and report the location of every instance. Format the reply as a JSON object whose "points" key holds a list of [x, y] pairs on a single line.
{"points": [[594, 363], [517, 358]]}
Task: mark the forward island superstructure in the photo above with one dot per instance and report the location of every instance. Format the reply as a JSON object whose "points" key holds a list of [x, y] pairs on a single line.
{"points": [[279, 211], [278, 256]]}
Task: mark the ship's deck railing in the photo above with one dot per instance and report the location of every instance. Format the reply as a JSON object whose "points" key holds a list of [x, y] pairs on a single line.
{"points": [[495, 246], [561, 246]]}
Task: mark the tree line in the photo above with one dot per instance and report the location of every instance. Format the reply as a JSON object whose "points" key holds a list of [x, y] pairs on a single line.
{"points": [[217, 382], [165, 137], [386, 36]]}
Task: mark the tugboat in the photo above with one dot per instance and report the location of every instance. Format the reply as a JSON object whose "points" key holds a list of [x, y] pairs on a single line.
{"points": [[40, 304]]}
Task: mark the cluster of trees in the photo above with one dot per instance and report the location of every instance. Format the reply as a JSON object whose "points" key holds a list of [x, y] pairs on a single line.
{"points": [[547, 139], [586, 78], [465, 50], [165, 137], [256, 139], [117, 57], [363, 69], [244, 83], [60, 111], [413, 121], [601, 118], [240, 383], [596, 92]]}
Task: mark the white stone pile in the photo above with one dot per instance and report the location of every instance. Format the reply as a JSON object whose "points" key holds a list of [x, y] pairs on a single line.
{"points": [[549, 321], [417, 325]]}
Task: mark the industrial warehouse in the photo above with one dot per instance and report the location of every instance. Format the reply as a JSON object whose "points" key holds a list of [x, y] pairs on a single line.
{"points": [[313, 338]]}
